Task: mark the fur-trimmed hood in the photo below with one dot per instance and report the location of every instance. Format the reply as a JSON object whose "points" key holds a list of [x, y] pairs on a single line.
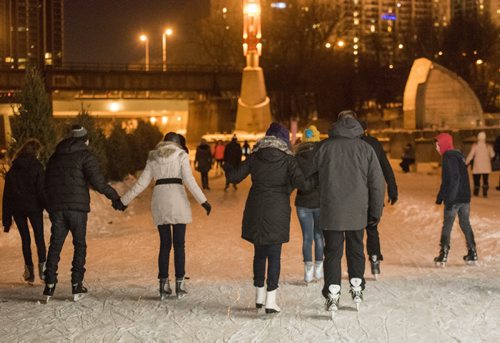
{"points": [[272, 142], [304, 147], [164, 150]]}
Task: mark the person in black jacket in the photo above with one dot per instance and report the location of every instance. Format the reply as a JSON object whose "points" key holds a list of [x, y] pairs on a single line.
{"points": [[266, 220], [455, 193], [70, 171], [203, 162], [496, 147], [24, 199], [372, 236], [232, 156]]}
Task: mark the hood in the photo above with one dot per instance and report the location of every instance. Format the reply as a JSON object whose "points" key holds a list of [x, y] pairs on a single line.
{"points": [[347, 127], [481, 136], [445, 141], [23, 161], [164, 150], [455, 153], [272, 142], [71, 145], [304, 147]]}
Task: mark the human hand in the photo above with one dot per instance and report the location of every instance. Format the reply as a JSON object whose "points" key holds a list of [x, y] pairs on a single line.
{"points": [[439, 201], [207, 207], [6, 229], [118, 205], [393, 200]]}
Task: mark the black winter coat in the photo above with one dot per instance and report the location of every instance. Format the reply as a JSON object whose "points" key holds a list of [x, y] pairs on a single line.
{"points": [[455, 187], [203, 159], [304, 155], [274, 172], [392, 187], [232, 154], [23, 192], [70, 172]]}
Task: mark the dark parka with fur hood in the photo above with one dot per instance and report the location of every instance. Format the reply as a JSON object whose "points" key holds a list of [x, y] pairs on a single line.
{"points": [[304, 155]]}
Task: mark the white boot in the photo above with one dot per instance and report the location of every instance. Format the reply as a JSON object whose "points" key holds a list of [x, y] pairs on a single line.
{"points": [[271, 306], [308, 271], [318, 270], [260, 297]]}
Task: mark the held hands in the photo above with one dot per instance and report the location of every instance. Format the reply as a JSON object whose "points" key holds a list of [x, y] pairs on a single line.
{"points": [[372, 221], [207, 207], [118, 205]]}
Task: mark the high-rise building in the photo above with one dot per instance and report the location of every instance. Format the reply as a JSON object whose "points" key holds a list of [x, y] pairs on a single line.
{"points": [[31, 32], [474, 8]]}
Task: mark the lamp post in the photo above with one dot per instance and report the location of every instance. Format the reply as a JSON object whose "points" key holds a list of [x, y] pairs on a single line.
{"points": [[145, 39], [168, 32]]}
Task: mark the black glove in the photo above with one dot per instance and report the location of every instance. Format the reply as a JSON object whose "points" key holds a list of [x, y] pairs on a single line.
{"points": [[393, 200], [207, 207], [372, 221], [118, 205], [439, 201], [6, 228]]}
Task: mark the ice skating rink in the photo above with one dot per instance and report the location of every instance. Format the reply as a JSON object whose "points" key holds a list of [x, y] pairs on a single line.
{"points": [[412, 301]]}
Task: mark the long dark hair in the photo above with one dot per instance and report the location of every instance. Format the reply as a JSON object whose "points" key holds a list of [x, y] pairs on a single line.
{"points": [[31, 147]]}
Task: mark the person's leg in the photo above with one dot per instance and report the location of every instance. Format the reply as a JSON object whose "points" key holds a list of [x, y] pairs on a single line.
{"points": [[179, 236], [463, 220], [355, 255], [164, 254], [334, 249], [36, 220], [306, 220], [206, 180], [259, 265], [22, 226], [476, 179], [448, 219], [274, 266], [59, 230], [486, 185], [319, 239], [78, 226], [373, 241]]}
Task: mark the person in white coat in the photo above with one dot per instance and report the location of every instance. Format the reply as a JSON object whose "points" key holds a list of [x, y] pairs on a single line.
{"points": [[168, 165], [480, 155]]}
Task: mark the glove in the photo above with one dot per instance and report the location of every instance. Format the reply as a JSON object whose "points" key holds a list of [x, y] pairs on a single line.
{"points": [[6, 228], [392, 201], [118, 205], [207, 207], [372, 221], [439, 201]]}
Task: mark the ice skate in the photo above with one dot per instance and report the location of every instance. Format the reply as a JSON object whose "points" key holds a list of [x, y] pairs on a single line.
{"points": [[29, 275], [41, 270], [356, 291], [318, 270], [471, 257], [48, 291], [260, 297], [271, 306], [375, 266], [332, 303], [308, 272], [443, 257], [78, 291], [165, 290], [180, 291]]}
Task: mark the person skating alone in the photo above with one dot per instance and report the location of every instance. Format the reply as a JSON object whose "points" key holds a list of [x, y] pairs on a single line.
{"points": [[352, 191], [168, 166], [246, 150], [203, 162], [372, 235], [70, 171], [480, 155], [307, 204], [455, 193], [24, 199], [219, 156], [232, 156], [408, 158]]}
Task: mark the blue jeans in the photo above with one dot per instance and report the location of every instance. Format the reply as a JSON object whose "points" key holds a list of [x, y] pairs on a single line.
{"points": [[309, 223], [450, 213]]}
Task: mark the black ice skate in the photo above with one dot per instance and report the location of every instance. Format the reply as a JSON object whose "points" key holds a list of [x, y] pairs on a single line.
{"points": [[165, 290], [180, 291], [375, 265], [49, 291], [78, 291], [356, 291], [29, 275], [332, 303], [443, 257], [471, 257]]}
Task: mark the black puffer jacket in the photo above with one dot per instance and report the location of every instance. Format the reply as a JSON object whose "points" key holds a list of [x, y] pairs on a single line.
{"points": [[232, 153], [203, 159], [274, 172], [304, 155], [455, 187], [23, 192], [70, 172]]}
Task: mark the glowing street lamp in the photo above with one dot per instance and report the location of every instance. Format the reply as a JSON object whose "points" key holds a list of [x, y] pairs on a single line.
{"points": [[145, 39], [168, 32], [340, 43]]}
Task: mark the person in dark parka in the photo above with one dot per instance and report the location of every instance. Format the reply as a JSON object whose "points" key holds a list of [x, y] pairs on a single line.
{"points": [[232, 156], [372, 236], [23, 200], [203, 162], [70, 171], [266, 219], [352, 189]]}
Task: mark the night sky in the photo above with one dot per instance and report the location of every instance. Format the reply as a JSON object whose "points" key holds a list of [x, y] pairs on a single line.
{"points": [[106, 31]]}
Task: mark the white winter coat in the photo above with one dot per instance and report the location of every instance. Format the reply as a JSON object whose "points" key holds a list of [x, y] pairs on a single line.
{"points": [[170, 204], [481, 153]]}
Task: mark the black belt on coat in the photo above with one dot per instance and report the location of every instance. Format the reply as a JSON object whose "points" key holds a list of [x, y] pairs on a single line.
{"points": [[168, 181]]}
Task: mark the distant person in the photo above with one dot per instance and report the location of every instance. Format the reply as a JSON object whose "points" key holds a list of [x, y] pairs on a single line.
{"points": [[219, 156], [497, 158], [232, 156], [24, 199], [203, 162], [455, 193], [168, 166], [71, 170], [246, 150], [408, 158], [480, 155], [372, 236]]}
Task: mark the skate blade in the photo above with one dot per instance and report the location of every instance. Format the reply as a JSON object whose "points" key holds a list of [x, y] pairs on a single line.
{"points": [[332, 314], [47, 298], [375, 276], [271, 311], [471, 263], [357, 306], [440, 264], [78, 297], [180, 296]]}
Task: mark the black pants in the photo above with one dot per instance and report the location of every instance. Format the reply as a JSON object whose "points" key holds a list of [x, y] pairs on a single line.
{"points": [[36, 220], [334, 249], [272, 254], [179, 237], [373, 242], [405, 164], [204, 180], [62, 223], [477, 180]]}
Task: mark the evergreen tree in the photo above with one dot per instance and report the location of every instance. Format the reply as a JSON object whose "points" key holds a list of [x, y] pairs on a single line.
{"points": [[118, 154], [145, 138], [33, 118]]}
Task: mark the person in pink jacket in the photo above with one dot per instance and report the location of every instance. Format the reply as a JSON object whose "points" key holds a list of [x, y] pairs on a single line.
{"points": [[480, 155], [219, 156]]}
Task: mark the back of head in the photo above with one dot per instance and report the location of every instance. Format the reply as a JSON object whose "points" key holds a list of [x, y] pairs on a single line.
{"points": [[173, 137], [31, 147], [311, 134], [481, 136], [79, 132], [278, 131], [347, 113]]}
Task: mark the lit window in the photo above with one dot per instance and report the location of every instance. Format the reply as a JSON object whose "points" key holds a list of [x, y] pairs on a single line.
{"points": [[372, 28]]}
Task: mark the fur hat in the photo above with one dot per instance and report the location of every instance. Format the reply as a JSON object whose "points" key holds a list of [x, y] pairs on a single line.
{"points": [[279, 131], [311, 134]]}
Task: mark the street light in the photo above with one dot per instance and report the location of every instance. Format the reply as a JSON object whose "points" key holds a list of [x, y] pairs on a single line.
{"points": [[145, 39], [168, 32]]}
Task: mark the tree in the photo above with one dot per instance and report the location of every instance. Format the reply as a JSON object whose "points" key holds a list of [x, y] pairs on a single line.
{"points": [[145, 138], [118, 154], [33, 118]]}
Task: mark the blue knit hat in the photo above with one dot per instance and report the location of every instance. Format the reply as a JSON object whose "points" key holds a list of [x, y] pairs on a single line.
{"points": [[279, 131]]}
